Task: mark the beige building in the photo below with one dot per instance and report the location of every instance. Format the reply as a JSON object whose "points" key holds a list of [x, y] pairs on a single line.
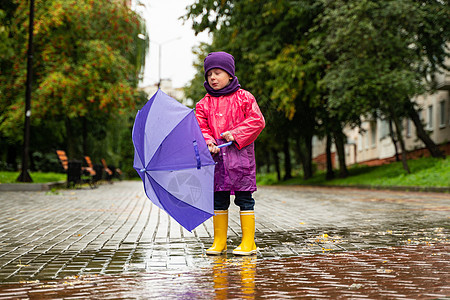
{"points": [[371, 144], [167, 87]]}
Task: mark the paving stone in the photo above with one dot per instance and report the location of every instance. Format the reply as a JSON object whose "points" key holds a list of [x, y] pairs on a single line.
{"points": [[371, 236]]}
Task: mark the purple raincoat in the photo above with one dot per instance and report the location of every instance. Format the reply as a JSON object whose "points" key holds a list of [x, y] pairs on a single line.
{"points": [[240, 114]]}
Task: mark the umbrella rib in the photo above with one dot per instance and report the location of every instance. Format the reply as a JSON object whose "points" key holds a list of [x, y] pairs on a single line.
{"points": [[168, 134], [162, 142], [173, 170], [165, 207], [134, 145], [164, 154]]}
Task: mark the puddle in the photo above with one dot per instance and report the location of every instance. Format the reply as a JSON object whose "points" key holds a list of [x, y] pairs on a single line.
{"points": [[415, 271], [189, 255]]}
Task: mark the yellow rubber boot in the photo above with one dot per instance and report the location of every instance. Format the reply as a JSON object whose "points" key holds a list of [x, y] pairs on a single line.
{"points": [[220, 221], [247, 246]]}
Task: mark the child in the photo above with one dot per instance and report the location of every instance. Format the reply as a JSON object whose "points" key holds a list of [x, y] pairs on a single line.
{"points": [[228, 113]]}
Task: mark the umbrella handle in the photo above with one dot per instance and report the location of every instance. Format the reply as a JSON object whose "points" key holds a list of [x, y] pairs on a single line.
{"points": [[197, 155], [225, 145]]}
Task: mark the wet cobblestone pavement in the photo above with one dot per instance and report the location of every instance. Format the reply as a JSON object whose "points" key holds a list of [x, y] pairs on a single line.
{"points": [[111, 242]]}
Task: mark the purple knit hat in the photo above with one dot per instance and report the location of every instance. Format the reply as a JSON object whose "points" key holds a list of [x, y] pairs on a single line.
{"points": [[224, 61], [221, 60]]}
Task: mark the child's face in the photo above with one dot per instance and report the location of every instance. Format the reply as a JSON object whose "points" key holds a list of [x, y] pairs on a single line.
{"points": [[218, 78]]}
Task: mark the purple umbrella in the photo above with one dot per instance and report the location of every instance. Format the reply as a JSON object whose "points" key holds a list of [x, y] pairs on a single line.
{"points": [[173, 161]]}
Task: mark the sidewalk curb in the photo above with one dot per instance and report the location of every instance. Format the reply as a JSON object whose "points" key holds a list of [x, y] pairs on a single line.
{"points": [[16, 187], [426, 189], [30, 187]]}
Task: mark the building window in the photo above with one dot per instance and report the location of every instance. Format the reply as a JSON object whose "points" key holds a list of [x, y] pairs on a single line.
{"points": [[359, 142], [430, 117], [366, 140], [373, 134], [442, 113], [384, 129]]}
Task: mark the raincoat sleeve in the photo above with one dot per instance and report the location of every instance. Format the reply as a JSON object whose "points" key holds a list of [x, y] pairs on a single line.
{"points": [[201, 114], [248, 130]]}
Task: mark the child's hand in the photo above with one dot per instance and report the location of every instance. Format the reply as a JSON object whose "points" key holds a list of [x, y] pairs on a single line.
{"points": [[213, 148], [228, 136]]}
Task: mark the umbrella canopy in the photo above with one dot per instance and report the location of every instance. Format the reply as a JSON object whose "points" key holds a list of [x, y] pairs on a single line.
{"points": [[173, 160]]}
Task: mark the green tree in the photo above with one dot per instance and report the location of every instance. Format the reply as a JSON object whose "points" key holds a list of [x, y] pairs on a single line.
{"points": [[259, 45], [87, 64], [380, 54], [329, 64], [7, 9]]}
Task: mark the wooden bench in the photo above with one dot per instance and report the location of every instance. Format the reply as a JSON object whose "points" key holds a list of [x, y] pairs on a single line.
{"points": [[63, 159], [108, 172], [89, 170], [71, 168], [75, 170], [111, 171], [90, 167]]}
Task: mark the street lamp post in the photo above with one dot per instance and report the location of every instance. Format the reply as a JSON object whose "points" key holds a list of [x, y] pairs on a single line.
{"points": [[159, 66], [160, 55], [24, 175], [139, 3]]}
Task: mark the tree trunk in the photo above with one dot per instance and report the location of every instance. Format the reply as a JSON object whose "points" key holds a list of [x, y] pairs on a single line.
{"points": [[85, 134], [276, 160], [422, 134], [287, 160], [70, 140], [304, 149], [307, 169], [394, 140], [11, 158], [340, 149], [300, 153], [330, 172], [398, 128]]}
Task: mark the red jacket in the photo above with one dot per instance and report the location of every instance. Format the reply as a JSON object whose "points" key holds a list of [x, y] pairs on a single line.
{"points": [[240, 114]]}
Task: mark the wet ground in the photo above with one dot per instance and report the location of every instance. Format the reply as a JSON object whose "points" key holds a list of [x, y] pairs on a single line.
{"points": [[111, 242], [410, 272]]}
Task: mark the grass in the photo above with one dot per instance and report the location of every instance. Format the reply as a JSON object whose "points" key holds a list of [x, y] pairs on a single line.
{"points": [[425, 172], [38, 177]]}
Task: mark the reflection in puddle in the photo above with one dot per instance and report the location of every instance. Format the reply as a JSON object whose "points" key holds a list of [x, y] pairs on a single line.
{"points": [[187, 255], [248, 270], [222, 278], [413, 271]]}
